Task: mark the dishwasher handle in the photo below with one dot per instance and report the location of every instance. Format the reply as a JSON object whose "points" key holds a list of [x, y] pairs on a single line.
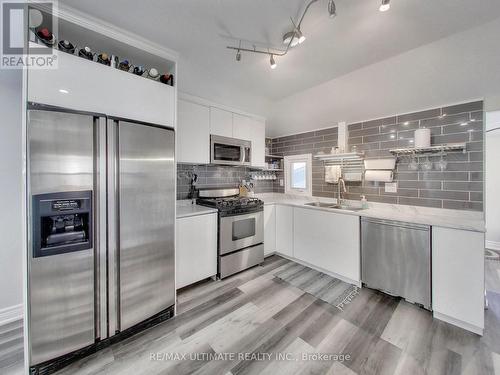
{"points": [[393, 223]]}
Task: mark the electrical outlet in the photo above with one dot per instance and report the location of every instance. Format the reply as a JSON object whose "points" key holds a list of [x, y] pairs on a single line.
{"points": [[391, 187], [281, 182]]}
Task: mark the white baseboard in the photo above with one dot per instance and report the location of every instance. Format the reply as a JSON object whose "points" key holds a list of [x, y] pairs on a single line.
{"points": [[459, 323], [329, 273], [11, 314], [493, 245]]}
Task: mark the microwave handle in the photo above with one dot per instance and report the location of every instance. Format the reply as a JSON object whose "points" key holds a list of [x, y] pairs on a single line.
{"points": [[243, 154]]}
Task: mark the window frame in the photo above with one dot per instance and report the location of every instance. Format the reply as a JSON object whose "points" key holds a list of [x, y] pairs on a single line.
{"points": [[288, 161]]}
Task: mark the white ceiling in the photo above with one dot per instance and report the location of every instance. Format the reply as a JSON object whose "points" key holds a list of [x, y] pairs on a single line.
{"points": [[359, 36]]}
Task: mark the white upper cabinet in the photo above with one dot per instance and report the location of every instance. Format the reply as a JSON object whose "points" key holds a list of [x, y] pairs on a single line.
{"points": [[221, 122], [242, 127], [88, 86], [258, 143], [193, 133]]}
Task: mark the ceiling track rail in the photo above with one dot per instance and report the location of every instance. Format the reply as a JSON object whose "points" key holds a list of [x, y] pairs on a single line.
{"points": [[296, 31]]}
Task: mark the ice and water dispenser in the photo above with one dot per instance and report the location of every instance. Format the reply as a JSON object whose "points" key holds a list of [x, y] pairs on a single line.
{"points": [[62, 223]]}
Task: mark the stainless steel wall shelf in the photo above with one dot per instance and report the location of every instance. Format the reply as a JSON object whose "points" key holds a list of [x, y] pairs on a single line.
{"points": [[358, 156], [430, 150]]}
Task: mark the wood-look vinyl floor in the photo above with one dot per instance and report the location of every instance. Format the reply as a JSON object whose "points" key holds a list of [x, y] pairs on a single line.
{"points": [[11, 348], [254, 312]]}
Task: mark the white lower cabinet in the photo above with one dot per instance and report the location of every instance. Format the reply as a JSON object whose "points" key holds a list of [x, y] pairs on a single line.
{"points": [[329, 241], [284, 230], [196, 250], [269, 229], [458, 277]]}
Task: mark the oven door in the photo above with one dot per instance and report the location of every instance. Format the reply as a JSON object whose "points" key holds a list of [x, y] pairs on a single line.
{"points": [[240, 231], [229, 151]]}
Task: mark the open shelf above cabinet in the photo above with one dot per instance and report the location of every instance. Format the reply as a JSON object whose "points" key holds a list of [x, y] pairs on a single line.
{"points": [[430, 150], [274, 157]]}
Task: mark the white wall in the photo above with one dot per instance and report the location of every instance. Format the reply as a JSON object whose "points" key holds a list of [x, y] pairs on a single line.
{"points": [[11, 219], [492, 185], [194, 80], [458, 68]]}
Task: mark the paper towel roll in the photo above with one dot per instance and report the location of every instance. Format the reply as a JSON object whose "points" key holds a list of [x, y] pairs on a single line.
{"points": [[378, 175], [422, 138]]}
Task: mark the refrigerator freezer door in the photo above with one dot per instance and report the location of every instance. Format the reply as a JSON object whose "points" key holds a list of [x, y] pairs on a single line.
{"points": [[61, 287], [146, 195]]}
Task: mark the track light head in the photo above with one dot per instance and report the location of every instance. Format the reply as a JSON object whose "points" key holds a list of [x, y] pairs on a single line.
{"points": [[300, 36], [332, 9], [385, 6], [272, 62], [238, 55], [291, 35]]}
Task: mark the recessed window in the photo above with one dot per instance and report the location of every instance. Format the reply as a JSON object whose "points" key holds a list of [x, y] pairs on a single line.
{"points": [[298, 174]]}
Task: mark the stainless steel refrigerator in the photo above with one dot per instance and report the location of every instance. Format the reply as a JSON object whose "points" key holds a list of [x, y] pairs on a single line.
{"points": [[101, 228]]}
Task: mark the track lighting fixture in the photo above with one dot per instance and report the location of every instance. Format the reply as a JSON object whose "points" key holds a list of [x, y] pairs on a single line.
{"points": [[385, 6], [291, 38], [272, 62], [238, 52], [332, 9]]}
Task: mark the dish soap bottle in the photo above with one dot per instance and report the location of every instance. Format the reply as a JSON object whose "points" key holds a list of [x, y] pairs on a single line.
{"points": [[364, 202]]}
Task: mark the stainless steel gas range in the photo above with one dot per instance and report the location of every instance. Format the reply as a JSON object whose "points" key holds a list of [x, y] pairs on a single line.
{"points": [[241, 229]]}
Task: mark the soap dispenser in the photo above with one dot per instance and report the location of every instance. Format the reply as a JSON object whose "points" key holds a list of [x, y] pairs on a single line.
{"points": [[364, 202]]}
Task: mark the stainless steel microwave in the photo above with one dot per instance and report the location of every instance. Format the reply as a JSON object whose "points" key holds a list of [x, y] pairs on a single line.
{"points": [[229, 151]]}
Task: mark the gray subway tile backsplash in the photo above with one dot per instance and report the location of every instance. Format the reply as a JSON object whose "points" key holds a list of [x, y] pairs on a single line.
{"points": [[216, 176], [444, 194], [463, 205], [466, 107], [436, 112], [446, 120], [436, 203], [379, 122]]}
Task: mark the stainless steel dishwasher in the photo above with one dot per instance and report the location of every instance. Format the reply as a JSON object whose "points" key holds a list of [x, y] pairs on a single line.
{"points": [[396, 259]]}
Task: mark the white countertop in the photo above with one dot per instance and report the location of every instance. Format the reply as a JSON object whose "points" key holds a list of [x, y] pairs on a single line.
{"points": [[185, 209], [456, 219]]}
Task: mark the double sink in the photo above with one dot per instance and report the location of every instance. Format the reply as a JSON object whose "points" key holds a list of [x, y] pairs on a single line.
{"points": [[334, 206]]}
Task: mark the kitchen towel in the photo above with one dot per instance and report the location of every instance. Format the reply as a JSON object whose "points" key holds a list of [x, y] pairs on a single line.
{"points": [[332, 173], [379, 176]]}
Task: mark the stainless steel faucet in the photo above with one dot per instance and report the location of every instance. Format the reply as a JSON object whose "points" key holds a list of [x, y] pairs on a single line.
{"points": [[340, 191]]}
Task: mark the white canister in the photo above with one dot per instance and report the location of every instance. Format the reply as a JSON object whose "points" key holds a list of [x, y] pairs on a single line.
{"points": [[422, 138]]}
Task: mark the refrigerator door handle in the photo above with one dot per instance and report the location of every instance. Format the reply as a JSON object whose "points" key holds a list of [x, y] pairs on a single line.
{"points": [[113, 228], [101, 228]]}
